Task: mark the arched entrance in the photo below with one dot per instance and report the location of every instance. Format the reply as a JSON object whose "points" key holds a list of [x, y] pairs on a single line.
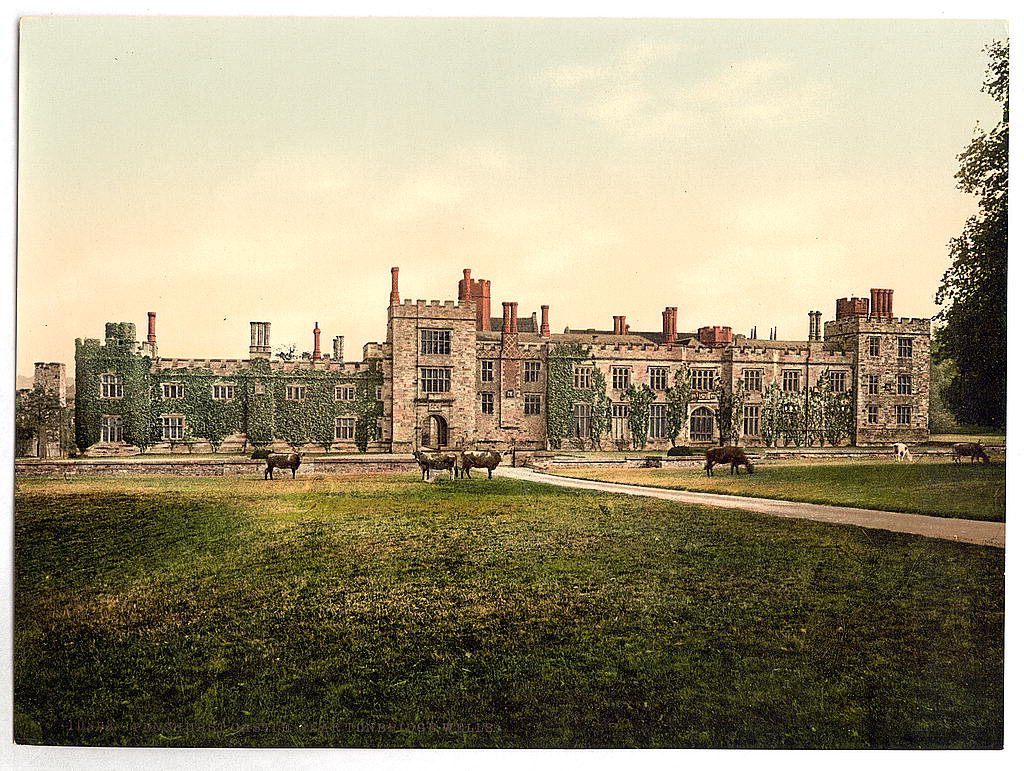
{"points": [[435, 432], [702, 425]]}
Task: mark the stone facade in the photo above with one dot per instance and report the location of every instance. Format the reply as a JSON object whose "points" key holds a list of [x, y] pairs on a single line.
{"points": [[450, 375]]}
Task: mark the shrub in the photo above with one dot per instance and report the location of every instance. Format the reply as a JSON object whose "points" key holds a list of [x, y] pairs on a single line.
{"points": [[679, 450], [260, 454]]}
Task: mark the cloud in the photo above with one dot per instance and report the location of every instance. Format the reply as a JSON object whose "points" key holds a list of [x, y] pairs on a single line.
{"points": [[642, 94]]}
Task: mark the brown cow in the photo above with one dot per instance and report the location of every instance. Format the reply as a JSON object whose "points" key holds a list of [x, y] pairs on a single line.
{"points": [[973, 449], [291, 460], [442, 461], [730, 454], [488, 459]]}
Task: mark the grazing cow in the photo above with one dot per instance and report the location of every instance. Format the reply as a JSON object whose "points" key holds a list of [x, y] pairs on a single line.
{"points": [[442, 461], [901, 452], [488, 459], [731, 455], [291, 460], [973, 449]]}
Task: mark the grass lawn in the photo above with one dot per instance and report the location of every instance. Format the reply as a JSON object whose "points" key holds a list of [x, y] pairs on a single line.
{"points": [[191, 611], [940, 488]]}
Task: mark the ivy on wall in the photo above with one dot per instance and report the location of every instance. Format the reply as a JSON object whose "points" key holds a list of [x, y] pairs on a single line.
{"points": [[260, 407], [731, 400], [562, 392], [678, 402], [117, 357], [640, 400], [601, 409], [811, 416]]}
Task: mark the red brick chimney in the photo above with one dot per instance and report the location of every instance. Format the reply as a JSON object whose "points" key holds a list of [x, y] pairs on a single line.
{"points": [[506, 326], [545, 327], [513, 317], [465, 286], [668, 325], [396, 298], [151, 335], [316, 341]]}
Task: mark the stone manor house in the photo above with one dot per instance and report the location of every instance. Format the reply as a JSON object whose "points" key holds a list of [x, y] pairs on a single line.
{"points": [[451, 375]]}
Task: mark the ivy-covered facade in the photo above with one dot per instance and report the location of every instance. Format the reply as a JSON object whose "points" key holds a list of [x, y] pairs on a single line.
{"points": [[451, 375]]}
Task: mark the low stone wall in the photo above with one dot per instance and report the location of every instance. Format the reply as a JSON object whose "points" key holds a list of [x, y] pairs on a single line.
{"points": [[142, 466]]}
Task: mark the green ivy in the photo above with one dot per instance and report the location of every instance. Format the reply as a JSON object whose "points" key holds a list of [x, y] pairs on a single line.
{"points": [[640, 400], [260, 408], [678, 402], [730, 411], [601, 408], [562, 392]]}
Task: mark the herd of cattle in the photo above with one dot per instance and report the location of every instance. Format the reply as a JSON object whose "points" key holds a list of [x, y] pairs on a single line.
{"points": [[459, 463]]}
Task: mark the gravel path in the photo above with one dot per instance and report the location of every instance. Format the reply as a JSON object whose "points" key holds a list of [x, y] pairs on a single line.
{"points": [[963, 530]]}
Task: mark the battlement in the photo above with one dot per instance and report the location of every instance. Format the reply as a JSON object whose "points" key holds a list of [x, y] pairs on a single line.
{"points": [[434, 309], [877, 325]]}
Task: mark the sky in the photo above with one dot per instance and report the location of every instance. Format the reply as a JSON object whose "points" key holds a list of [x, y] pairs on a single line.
{"points": [[218, 171]]}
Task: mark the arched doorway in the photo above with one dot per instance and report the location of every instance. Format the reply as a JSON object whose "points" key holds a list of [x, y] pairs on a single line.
{"points": [[435, 432], [702, 425]]}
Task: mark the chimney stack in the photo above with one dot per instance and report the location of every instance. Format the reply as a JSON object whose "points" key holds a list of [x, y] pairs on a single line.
{"points": [[466, 286], [259, 339], [513, 313], [396, 298], [316, 341], [506, 326], [339, 348], [668, 325], [151, 335], [545, 327]]}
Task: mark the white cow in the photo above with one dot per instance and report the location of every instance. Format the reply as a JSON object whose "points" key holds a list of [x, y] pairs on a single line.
{"points": [[901, 452]]}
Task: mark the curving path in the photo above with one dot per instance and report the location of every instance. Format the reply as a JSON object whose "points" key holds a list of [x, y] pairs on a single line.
{"points": [[950, 529]]}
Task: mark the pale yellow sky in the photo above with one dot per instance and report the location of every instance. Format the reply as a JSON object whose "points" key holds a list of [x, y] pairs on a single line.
{"points": [[218, 171]]}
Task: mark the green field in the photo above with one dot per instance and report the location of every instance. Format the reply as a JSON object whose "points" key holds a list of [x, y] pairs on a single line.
{"points": [[386, 612], [938, 488]]}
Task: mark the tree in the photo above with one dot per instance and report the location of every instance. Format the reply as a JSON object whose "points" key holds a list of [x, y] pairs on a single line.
{"points": [[37, 413], [973, 289]]}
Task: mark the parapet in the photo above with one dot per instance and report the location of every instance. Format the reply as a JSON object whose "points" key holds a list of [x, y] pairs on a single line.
{"points": [[435, 309]]}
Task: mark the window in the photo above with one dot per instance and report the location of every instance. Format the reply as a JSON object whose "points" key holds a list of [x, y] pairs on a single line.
{"points": [[872, 413], [620, 378], [531, 404], [378, 431], [487, 371], [659, 378], [111, 387], [658, 428], [435, 341], [903, 385], [752, 379], [874, 346], [173, 390], [380, 393], [487, 404], [903, 414], [582, 377], [905, 347], [344, 428], [435, 380], [837, 381], [111, 428], [531, 371], [751, 419], [172, 427], [702, 379], [344, 393], [581, 416], [620, 421], [702, 425], [223, 391], [295, 393], [790, 380], [872, 384]]}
